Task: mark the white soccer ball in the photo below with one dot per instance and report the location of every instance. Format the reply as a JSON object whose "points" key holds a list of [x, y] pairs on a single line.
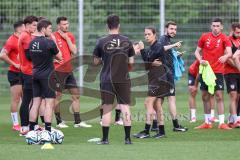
{"points": [[45, 137], [32, 137], [57, 136]]}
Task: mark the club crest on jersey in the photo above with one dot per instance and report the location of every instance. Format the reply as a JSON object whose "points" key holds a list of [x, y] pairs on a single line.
{"points": [[232, 86], [218, 43], [171, 90], [189, 81], [35, 46]]}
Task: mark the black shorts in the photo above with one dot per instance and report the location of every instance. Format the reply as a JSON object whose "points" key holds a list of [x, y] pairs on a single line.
{"points": [[26, 81], [42, 89], [122, 91], [60, 81], [14, 78], [191, 79], [232, 81], [219, 82], [171, 82]]}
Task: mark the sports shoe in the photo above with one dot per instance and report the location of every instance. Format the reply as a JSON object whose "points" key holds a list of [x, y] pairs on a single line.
{"points": [[232, 125], [237, 124], [23, 131], [204, 126], [193, 120], [16, 127], [119, 122], [154, 129], [142, 135], [223, 126], [83, 125], [103, 142], [214, 119], [158, 135], [180, 129], [62, 125], [128, 141]]}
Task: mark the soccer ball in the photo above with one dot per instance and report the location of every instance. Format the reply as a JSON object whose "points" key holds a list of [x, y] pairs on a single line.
{"points": [[44, 137], [32, 137], [57, 136]]}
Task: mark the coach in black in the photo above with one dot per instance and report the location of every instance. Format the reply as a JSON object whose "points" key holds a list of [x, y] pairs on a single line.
{"points": [[165, 41], [41, 52], [116, 53]]}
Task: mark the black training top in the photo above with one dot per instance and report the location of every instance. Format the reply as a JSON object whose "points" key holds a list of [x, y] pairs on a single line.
{"points": [[164, 41], [41, 51], [114, 50]]}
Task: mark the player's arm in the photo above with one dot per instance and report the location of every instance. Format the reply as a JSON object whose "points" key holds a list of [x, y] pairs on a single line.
{"points": [[236, 58], [226, 56], [198, 56], [59, 55], [71, 45], [175, 45], [97, 60], [130, 63], [4, 56]]}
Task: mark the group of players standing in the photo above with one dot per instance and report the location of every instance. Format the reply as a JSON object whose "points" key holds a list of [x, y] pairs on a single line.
{"points": [[38, 57]]}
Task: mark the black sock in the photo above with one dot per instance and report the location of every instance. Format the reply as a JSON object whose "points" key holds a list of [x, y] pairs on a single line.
{"points": [[238, 108], [42, 119], [161, 129], [77, 117], [58, 117], [127, 130], [154, 124], [175, 123], [105, 131], [101, 113], [117, 116], [147, 128], [48, 126], [32, 125]]}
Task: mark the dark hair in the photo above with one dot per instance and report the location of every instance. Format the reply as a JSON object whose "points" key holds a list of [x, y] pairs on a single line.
{"points": [[235, 25], [152, 28], [170, 23], [43, 24], [113, 21], [59, 19], [17, 24], [41, 18], [217, 20], [30, 19]]}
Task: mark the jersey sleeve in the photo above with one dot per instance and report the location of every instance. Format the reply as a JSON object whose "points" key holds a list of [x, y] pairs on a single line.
{"points": [[97, 50], [53, 47], [8, 46], [201, 42], [227, 42]]}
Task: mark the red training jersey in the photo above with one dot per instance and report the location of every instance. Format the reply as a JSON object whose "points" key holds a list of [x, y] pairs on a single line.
{"points": [[194, 68], [213, 48], [11, 46], [23, 44], [235, 45], [66, 53]]}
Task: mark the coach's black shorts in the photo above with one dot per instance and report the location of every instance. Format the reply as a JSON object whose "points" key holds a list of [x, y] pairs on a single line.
{"points": [[122, 91], [26, 81], [219, 82], [232, 82], [14, 78], [42, 89], [62, 80], [191, 79], [158, 86], [170, 78]]}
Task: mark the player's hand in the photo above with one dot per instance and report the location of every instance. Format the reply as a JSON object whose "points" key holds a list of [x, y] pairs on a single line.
{"points": [[203, 62], [17, 66], [156, 63], [223, 59], [178, 44], [58, 61], [141, 45], [63, 35], [193, 89]]}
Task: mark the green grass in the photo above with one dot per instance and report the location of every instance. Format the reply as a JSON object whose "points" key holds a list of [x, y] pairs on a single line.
{"points": [[194, 144]]}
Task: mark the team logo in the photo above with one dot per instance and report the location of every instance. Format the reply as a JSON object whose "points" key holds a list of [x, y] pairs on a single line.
{"points": [[218, 43], [208, 42], [172, 90], [35, 46], [220, 86], [232, 86], [189, 81]]}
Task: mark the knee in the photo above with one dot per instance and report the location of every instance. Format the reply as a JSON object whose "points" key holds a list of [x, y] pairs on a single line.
{"points": [[219, 97]]}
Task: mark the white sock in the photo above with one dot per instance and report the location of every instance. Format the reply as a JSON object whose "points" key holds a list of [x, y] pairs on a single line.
{"points": [[207, 118], [221, 118], [212, 113], [193, 113], [14, 116], [25, 128], [234, 118]]}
